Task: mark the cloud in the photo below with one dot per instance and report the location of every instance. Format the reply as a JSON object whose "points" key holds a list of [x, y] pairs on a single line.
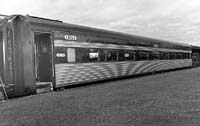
{"points": [[164, 19]]}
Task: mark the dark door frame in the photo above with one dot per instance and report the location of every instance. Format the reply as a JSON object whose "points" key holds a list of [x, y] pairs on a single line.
{"points": [[52, 54]]}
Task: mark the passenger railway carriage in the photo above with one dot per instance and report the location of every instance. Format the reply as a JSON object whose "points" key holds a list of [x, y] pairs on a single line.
{"points": [[195, 55], [36, 51]]}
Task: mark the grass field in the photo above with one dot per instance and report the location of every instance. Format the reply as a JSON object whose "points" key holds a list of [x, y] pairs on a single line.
{"points": [[168, 99]]}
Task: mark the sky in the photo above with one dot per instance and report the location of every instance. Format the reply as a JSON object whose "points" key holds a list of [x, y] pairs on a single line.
{"points": [[173, 20]]}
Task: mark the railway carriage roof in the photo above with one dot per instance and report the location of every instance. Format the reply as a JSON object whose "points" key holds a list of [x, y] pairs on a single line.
{"points": [[195, 47], [56, 24]]}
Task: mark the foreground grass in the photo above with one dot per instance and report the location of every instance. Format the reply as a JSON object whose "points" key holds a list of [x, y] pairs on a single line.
{"points": [[169, 99]]}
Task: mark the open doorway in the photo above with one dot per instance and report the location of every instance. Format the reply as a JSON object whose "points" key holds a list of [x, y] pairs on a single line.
{"points": [[1, 56], [43, 58]]}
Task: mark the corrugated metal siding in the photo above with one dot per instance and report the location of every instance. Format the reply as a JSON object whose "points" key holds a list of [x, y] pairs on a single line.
{"points": [[68, 73]]}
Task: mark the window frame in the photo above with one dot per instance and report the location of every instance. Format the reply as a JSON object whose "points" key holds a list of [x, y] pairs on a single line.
{"points": [[82, 55]]}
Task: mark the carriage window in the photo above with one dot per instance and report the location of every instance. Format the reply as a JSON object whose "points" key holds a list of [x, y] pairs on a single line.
{"points": [[187, 55], [81, 55], [144, 55], [129, 55], [175, 56], [172, 56], [93, 55], [111, 55], [121, 55], [71, 55], [1, 35], [60, 55], [155, 55], [164, 55], [102, 55], [180, 56]]}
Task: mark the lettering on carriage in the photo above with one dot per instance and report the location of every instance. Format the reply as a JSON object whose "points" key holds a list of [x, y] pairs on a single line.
{"points": [[70, 37], [60, 55]]}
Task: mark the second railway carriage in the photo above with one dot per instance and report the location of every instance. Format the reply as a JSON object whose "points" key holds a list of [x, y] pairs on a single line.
{"points": [[36, 51], [195, 55]]}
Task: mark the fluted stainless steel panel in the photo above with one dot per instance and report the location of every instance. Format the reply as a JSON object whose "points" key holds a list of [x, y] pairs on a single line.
{"points": [[68, 73]]}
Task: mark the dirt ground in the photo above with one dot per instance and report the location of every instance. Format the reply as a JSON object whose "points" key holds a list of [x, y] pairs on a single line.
{"points": [[167, 99]]}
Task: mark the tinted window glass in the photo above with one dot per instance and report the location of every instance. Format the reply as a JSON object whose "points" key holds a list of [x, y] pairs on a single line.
{"points": [[102, 55], [111, 55], [93, 55], [155, 55], [81, 55], [121, 55], [165, 56], [172, 55], [179, 56], [144, 55], [129, 55]]}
